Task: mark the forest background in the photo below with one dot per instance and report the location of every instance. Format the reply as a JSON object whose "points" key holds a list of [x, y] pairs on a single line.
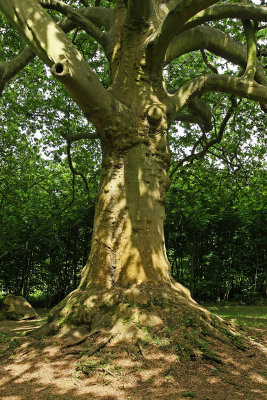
{"points": [[216, 225]]}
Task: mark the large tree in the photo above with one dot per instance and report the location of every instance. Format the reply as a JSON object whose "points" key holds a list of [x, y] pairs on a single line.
{"points": [[132, 117]]}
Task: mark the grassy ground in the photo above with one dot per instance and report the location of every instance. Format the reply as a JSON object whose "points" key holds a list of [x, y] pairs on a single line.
{"points": [[245, 316]]}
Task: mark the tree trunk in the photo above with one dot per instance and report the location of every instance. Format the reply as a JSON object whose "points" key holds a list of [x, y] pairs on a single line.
{"points": [[265, 271], [128, 257], [126, 288], [75, 237], [128, 244]]}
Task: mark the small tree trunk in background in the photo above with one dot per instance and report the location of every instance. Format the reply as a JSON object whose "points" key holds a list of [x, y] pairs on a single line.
{"points": [[265, 272], [256, 271], [75, 235], [192, 271], [28, 271], [86, 241]]}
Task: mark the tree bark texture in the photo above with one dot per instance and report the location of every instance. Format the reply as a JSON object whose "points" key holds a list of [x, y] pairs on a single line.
{"points": [[128, 241]]}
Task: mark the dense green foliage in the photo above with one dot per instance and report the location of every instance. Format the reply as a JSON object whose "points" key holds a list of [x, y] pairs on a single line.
{"points": [[217, 213], [216, 225], [216, 233]]}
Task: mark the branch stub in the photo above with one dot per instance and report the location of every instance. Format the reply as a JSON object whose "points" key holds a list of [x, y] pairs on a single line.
{"points": [[60, 69]]}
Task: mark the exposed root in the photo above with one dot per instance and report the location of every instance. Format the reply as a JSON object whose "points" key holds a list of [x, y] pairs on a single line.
{"points": [[100, 346], [140, 316], [141, 351], [79, 341]]}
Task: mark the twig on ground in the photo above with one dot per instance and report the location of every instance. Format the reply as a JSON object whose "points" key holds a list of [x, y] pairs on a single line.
{"points": [[107, 371], [100, 346]]}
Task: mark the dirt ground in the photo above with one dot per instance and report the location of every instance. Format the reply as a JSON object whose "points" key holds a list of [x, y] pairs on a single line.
{"points": [[47, 370]]}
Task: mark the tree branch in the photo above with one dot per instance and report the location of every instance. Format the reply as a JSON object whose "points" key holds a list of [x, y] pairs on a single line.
{"points": [[229, 10], [77, 18], [73, 170], [219, 83], [58, 52], [173, 23], [191, 157], [208, 64], [100, 16], [190, 118], [195, 118], [8, 69], [215, 41], [73, 138], [202, 110], [251, 68]]}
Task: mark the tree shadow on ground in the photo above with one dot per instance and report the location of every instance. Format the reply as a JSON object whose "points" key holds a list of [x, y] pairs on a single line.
{"points": [[46, 370]]}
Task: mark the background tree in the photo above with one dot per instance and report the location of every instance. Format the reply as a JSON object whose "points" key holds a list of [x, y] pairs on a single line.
{"points": [[132, 119]]}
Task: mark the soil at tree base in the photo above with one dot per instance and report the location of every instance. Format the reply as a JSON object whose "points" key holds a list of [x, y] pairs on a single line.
{"points": [[130, 344]]}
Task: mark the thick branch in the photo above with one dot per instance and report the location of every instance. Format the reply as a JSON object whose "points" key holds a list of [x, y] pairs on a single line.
{"points": [[54, 48], [202, 110], [229, 10], [215, 41], [170, 27], [77, 18], [196, 118], [79, 136], [190, 118], [251, 49], [219, 83], [9, 69], [100, 16]]}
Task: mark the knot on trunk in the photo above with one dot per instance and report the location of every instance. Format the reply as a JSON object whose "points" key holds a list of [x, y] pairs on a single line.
{"points": [[154, 114]]}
